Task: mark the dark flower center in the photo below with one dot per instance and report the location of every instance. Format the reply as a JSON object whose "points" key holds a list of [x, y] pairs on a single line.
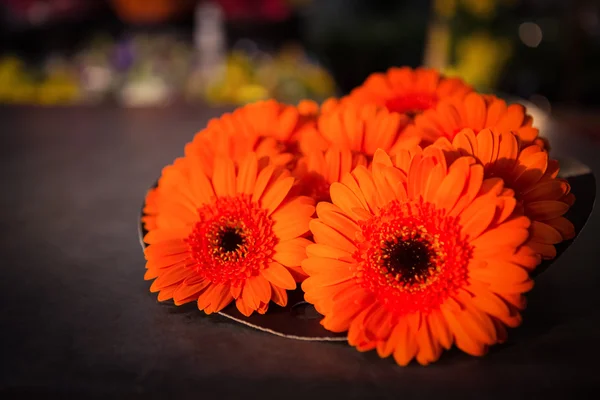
{"points": [[412, 104], [409, 261], [231, 239]]}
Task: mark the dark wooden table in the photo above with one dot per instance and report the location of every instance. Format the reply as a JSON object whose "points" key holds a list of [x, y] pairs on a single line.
{"points": [[76, 317]]}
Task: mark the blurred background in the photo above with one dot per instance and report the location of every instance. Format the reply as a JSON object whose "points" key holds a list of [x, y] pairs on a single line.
{"points": [[134, 53]]}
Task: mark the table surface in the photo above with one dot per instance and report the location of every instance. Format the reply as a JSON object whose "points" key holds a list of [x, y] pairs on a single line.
{"points": [[77, 318]]}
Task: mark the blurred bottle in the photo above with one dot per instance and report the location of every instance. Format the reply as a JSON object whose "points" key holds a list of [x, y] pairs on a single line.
{"points": [[209, 39]]}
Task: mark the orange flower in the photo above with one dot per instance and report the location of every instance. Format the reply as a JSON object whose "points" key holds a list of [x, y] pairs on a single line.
{"points": [[408, 91], [529, 174], [477, 112], [319, 169], [233, 235], [267, 127], [411, 263], [359, 128]]}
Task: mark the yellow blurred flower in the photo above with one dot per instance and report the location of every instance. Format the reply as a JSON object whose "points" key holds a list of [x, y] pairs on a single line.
{"points": [[251, 93], [58, 89], [480, 8], [480, 59]]}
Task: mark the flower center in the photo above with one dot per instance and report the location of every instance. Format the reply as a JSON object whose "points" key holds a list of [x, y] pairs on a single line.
{"points": [[408, 261], [316, 186], [232, 240], [411, 104], [412, 257]]}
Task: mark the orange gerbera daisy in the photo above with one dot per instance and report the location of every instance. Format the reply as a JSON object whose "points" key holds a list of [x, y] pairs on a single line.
{"points": [[411, 263], [529, 174], [268, 128], [408, 91], [317, 170], [233, 235], [477, 112], [360, 128]]}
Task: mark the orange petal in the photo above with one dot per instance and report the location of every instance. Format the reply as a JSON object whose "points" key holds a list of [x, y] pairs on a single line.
{"points": [[244, 308], [381, 157], [505, 207], [476, 111], [500, 271], [535, 167], [224, 177], [472, 188], [210, 295], [323, 250], [186, 291], [292, 219], [546, 251], [544, 233], [493, 186], [546, 190], [170, 276], [291, 253], [500, 238], [336, 220], [545, 209], [367, 186], [325, 234], [357, 334], [262, 180], [405, 347], [278, 275], [169, 260], [344, 198], [279, 295], [161, 234], [466, 142], [274, 195], [340, 321], [475, 221], [259, 288], [385, 191], [351, 183], [491, 304], [221, 299], [328, 269], [386, 348], [495, 110], [286, 123], [166, 248], [485, 143], [439, 329], [453, 184], [246, 178], [166, 293], [429, 348], [463, 340], [201, 186], [564, 226]]}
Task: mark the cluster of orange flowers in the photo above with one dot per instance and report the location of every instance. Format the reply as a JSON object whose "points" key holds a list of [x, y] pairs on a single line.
{"points": [[411, 212]]}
